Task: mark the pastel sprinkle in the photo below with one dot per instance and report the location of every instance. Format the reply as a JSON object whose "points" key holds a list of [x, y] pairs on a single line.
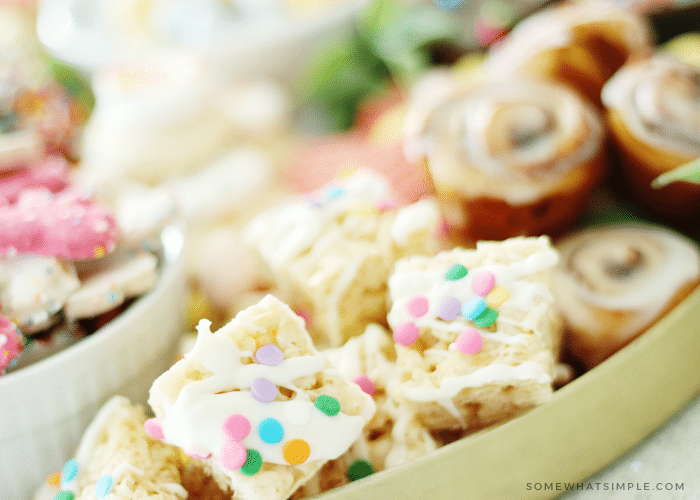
{"points": [[365, 383], [473, 308], [269, 354], [270, 430], [263, 390], [197, 455], [486, 318], [406, 334], [449, 308], [154, 429], [103, 486], [69, 471], [253, 463], [296, 451], [417, 306], [236, 427], [54, 479], [456, 272], [497, 297], [233, 455], [334, 192], [327, 405], [358, 469], [483, 283], [469, 341], [387, 204], [64, 495], [297, 412]]}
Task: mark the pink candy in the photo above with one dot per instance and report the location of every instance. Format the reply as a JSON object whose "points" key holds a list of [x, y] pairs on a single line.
{"points": [[65, 225], [449, 308], [365, 383], [469, 341], [233, 455], [483, 283], [236, 427], [154, 429], [417, 306], [51, 174], [10, 343], [406, 334]]}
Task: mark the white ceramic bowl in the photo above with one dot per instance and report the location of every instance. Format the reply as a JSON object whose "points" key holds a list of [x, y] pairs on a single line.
{"points": [[45, 407]]}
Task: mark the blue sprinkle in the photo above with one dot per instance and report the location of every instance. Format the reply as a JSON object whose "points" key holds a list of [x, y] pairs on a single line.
{"points": [[103, 486], [271, 431], [69, 471], [334, 192], [473, 308], [112, 297]]}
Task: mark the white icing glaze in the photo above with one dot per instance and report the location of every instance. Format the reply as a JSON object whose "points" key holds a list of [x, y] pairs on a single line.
{"points": [[195, 420], [422, 214]]}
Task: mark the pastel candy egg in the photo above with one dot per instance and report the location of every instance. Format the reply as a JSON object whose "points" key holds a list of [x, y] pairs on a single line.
{"points": [[469, 341], [233, 455], [456, 272], [263, 390], [473, 308], [236, 427], [497, 297], [417, 306], [269, 354], [296, 451], [365, 383], [483, 283], [406, 334], [327, 405], [449, 308], [486, 318], [253, 463]]}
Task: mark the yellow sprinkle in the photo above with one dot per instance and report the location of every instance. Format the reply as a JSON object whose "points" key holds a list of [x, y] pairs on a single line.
{"points": [[497, 296], [54, 479], [99, 252], [363, 210], [346, 171]]}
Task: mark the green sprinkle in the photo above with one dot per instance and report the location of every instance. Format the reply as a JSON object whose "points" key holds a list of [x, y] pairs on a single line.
{"points": [[253, 463], [358, 469], [327, 404], [64, 495], [486, 318], [456, 272]]}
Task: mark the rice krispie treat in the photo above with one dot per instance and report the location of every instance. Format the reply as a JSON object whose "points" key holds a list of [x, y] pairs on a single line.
{"points": [[331, 252], [118, 460], [257, 405], [476, 332]]}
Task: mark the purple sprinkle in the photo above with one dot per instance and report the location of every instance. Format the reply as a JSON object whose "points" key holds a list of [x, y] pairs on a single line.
{"points": [[269, 354], [449, 308], [263, 390]]}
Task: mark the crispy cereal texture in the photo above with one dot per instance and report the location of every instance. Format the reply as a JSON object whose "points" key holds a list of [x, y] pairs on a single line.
{"points": [[449, 388]]}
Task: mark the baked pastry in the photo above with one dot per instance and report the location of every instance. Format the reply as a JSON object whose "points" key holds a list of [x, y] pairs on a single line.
{"points": [[331, 252], [653, 113], [476, 332], [512, 158], [613, 282], [580, 44], [257, 405]]}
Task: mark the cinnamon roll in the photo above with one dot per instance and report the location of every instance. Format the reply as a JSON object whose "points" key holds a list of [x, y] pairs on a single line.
{"points": [[653, 113], [511, 158], [580, 44], [613, 282]]}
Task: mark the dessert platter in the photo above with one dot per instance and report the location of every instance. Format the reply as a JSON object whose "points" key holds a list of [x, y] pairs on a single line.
{"points": [[492, 279]]}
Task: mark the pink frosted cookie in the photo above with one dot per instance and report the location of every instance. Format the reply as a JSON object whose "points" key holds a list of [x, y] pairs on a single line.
{"points": [[65, 225], [51, 173], [11, 344]]}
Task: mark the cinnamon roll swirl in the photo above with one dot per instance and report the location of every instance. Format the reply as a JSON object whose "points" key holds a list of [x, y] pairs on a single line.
{"points": [[512, 158], [580, 44], [653, 113], [613, 282]]}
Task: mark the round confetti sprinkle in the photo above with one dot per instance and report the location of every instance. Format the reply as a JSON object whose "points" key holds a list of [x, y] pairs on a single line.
{"points": [[449, 308], [64, 495], [103, 486], [497, 297], [270, 430], [253, 463], [263, 390], [456, 272], [365, 383], [69, 471], [486, 318], [327, 405], [358, 469], [269, 354], [406, 334], [296, 451], [154, 429], [297, 412], [473, 308], [54, 479], [236, 427], [483, 283], [469, 341], [417, 306], [233, 455]]}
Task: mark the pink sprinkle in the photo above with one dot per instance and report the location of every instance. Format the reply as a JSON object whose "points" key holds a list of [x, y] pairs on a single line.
{"points": [[365, 383], [236, 427], [449, 308], [387, 204], [406, 334], [417, 306], [233, 455], [469, 341], [305, 315], [154, 429], [195, 455], [483, 283]]}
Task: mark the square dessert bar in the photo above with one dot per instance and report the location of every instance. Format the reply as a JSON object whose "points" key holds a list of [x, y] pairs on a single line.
{"points": [[330, 253], [257, 405], [476, 332]]}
